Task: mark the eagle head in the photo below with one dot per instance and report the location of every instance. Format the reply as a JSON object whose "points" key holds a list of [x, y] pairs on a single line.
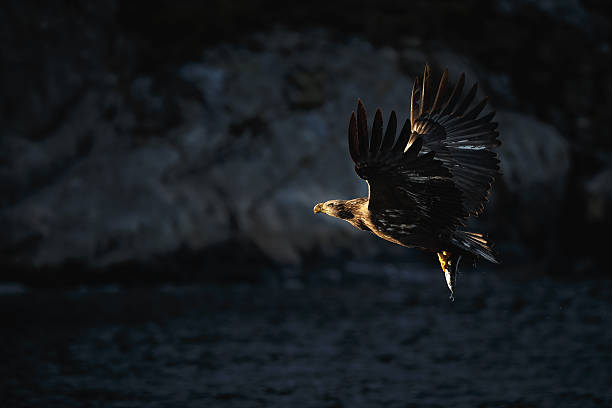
{"points": [[335, 208]]}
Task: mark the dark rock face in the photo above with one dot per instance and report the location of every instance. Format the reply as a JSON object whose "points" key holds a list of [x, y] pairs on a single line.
{"points": [[261, 142], [113, 150], [535, 161]]}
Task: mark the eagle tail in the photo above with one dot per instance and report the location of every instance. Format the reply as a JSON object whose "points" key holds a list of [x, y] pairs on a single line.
{"points": [[477, 244]]}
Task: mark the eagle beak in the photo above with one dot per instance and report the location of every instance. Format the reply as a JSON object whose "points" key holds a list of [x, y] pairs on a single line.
{"points": [[317, 208]]}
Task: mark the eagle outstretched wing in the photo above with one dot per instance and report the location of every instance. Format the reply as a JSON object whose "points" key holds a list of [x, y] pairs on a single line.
{"points": [[439, 170], [418, 187], [459, 138]]}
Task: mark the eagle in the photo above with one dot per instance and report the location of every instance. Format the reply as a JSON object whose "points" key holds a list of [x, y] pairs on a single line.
{"points": [[424, 185]]}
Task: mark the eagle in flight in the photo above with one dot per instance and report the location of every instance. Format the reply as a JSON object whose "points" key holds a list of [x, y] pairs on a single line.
{"points": [[423, 186]]}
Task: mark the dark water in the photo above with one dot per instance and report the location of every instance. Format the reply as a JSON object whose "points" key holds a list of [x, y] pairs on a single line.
{"points": [[360, 342]]}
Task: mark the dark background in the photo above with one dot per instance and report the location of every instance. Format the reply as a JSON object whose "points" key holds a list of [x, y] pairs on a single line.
{"points": [[159, 162]]}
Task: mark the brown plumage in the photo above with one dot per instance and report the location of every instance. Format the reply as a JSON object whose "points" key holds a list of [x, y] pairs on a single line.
{"points": [[424, 185]]}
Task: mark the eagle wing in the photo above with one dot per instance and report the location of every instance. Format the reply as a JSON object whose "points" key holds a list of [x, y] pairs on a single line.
{"points": [[414, 186], [461, 140]]}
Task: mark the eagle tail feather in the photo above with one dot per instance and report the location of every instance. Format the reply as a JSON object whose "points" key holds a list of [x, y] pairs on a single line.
{"points": [[477, 244]]}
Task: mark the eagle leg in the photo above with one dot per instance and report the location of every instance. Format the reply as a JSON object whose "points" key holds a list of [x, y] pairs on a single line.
{"points": [[449, 264]]}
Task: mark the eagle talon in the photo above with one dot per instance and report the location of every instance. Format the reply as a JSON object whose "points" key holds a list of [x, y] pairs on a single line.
{"points": [[449, 264]]}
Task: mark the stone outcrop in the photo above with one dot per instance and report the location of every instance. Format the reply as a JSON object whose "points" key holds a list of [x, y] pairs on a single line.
{"points": [[259, 138]]}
